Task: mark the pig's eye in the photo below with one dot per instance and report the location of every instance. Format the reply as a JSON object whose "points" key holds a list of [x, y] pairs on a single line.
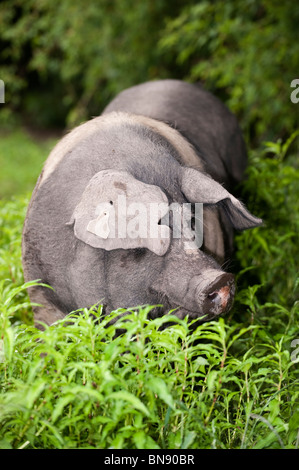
{"points": [[139, 252]]}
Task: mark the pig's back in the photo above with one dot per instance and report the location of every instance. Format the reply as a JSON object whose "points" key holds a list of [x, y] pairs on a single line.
{"points": [[199, 116]]}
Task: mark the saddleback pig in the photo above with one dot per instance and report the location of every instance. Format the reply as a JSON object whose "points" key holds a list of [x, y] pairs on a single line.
{"points": [[102, 225]]}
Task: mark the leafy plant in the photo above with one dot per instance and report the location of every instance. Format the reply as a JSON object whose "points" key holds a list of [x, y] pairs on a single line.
{"points": [[272, 189], [246, 50], [78, 384], [62, 63]]}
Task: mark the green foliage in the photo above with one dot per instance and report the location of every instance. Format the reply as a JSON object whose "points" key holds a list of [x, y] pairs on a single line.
{"points": [[21, 161], [12, 215], [272, 191], [78, 385], [62, 63], [60, 59], [249, 49], [227, 384]]}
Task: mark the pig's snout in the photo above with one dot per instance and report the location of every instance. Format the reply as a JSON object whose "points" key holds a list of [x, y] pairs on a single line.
{"points": [[217, 297], [210, 294], [205, 296]]}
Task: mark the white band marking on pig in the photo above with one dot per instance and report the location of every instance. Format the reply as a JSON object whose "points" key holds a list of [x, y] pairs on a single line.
{"points": [[70, 140]]}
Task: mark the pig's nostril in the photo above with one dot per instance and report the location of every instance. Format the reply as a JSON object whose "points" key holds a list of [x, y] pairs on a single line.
{"points": [[220, 296], [213, 295]]}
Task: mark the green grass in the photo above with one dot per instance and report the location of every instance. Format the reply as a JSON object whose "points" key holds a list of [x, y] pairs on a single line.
{"points": [[233, 383], [21, 161], [78, 386]]}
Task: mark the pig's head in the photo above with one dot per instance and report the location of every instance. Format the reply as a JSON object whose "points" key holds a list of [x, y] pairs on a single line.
{"points": [[145, 257]]}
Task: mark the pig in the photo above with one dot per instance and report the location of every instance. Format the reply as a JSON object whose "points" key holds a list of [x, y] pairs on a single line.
{"points": [[163, 142]]}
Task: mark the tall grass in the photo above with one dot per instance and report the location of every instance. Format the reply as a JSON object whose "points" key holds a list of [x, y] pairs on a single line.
{"points": [[231, 383], [78, 385]]}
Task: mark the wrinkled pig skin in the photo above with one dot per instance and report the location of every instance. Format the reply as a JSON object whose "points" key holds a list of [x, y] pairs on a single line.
{"points": [[166, 141]]}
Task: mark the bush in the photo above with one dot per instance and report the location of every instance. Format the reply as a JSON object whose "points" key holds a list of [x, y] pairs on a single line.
{"points": [[62, 63], [246, 50]]}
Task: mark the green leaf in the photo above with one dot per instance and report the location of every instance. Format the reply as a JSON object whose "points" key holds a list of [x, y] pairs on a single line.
{"points": [[159, 387], [212, 376], [8, 344], [5, 444], [189, 438], [34, 392], [130, 398], [294, 421], [263, 443], [60, 405]]}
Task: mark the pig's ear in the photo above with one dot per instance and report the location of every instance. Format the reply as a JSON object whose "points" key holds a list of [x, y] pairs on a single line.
{"points": [[201, 188], [115, 212]]}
